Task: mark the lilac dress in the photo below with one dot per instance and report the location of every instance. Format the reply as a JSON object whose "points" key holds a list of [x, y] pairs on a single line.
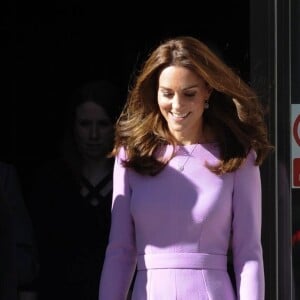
{"points": [[176, 227]]}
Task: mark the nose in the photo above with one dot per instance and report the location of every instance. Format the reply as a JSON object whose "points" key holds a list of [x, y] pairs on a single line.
{"points": [[177, 102], [94, 132]]}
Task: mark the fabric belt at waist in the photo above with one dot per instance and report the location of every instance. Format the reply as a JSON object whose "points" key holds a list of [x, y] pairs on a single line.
{"points": [[182, 261]]}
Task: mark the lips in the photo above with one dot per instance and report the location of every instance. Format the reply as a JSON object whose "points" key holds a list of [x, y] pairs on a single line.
{"points": [[93, 147], [179, 115]]}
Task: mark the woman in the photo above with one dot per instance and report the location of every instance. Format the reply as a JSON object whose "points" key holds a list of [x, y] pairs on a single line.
{"points": [[188, 147], [71, 197]]}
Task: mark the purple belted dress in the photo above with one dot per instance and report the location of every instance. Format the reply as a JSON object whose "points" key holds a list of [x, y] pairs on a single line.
{"points": [[176, 229]]}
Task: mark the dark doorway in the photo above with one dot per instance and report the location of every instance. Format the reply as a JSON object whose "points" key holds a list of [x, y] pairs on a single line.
{"points": [[57, 46]]}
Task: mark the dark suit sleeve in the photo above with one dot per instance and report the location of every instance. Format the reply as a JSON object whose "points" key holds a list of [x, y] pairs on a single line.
{"points": [[26, 250]]}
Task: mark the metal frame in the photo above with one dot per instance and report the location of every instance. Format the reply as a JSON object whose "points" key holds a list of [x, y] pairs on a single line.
{"points": [[270, 75]]}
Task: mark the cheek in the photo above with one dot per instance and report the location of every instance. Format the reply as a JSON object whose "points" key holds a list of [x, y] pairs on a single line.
{"points": [[199, 105], [163, 105], [81, 133]]}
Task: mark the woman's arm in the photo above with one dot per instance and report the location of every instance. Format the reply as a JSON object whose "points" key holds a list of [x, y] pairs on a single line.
{"points": [[120, 260], [247, 249]]}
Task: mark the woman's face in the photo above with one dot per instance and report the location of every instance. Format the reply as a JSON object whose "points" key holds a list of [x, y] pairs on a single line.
{"points": [[181, 97], [93, 130]]}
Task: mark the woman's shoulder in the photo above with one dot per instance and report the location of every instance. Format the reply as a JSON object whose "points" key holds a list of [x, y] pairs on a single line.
{"points": [[249, 162], [251, 156], [121, 154], [53, 170]]}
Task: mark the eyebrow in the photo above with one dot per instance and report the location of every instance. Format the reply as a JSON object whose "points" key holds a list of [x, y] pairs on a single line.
{"points": [[191, 87], [186, 88]]}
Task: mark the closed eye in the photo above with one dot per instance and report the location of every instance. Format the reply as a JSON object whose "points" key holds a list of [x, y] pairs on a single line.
{"points": [[190, 94], [167, 94], [84, 123]]}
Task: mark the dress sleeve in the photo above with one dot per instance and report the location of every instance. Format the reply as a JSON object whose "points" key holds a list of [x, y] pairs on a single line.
{"points": [[246, 238], [120, 259]]}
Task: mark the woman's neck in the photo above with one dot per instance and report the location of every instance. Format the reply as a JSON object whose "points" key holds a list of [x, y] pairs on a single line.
{"points": [[94, 170], [204, 135]]}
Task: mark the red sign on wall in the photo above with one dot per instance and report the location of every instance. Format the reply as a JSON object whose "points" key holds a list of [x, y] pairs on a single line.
{"points": [[296, 131], [295, 145], [296, 167]]}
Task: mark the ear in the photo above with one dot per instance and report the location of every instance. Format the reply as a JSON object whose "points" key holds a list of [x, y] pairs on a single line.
{"points": [[209, 90]]}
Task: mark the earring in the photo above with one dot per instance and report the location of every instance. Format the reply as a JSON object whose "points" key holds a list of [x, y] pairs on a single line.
{"points": [[206, 104]]}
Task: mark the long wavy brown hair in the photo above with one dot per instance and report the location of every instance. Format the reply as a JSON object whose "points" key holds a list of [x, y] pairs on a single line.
{"points": [[235, 113]]}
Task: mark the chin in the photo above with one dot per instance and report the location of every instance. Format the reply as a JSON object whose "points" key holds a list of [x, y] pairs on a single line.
{"points": [[95, 153]]}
